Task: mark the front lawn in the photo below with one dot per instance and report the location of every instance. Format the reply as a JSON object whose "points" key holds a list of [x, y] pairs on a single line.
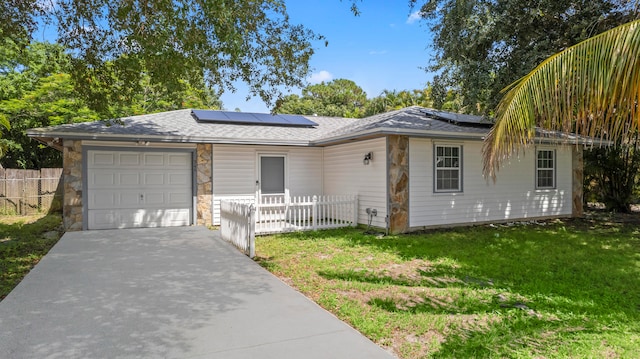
{"points": [[553, 290], [24, 240]]}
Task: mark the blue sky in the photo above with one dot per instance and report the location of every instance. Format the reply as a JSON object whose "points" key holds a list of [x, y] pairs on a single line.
{"points": [[383, 48]]}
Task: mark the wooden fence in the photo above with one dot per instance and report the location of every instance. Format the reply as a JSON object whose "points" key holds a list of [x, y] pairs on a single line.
{"points": [[24, 192]]}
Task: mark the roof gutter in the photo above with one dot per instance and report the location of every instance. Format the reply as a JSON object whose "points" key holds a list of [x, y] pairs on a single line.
{"points": [[382, 131], [168, 139]]}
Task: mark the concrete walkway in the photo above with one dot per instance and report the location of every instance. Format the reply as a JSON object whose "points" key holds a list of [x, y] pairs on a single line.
{"points": [[165, 293]]}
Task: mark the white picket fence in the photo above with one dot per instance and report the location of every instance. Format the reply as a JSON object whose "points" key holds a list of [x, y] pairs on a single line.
{"points": [[237, 226], [277, 214], [241, 221]]}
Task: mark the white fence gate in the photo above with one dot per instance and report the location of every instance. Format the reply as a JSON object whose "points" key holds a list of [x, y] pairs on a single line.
{"points": [[237, 226]]}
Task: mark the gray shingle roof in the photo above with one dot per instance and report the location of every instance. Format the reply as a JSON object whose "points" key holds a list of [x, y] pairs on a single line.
{"points": [[409, 120], [181, 126]]}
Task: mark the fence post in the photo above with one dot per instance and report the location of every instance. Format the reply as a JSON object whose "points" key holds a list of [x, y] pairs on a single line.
{"points": [[252, 231], [314, 212], [355, 212]]}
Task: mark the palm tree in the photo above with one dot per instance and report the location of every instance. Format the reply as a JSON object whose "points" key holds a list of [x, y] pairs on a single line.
{"points": [[590, 89]]}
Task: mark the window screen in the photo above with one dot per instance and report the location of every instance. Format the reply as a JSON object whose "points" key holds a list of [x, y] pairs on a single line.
{"points": [[271, 174]]}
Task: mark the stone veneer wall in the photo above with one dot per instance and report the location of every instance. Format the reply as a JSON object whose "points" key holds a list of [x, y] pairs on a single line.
{"points": [[398, 159], [72, 183], [577, 195], [205, 183]]}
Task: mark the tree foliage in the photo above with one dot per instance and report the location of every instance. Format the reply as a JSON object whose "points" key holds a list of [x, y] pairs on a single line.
{"points": [[36, 90], [338, 98], [395, 100], [114, 44], [344, 98], [611, 174], [591, 89], [484, 45]]}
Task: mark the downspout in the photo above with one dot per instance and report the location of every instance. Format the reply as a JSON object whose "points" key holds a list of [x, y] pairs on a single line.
{"points": [[213, 207], [322, 170], [388, 167]]}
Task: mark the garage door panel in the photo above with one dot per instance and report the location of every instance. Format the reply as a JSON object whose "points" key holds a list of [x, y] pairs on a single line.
{"points": [[133, 218], [178, 198], [129, 159], [103, 159], [151, 179], [128, 179], [128, 189], [154, 159], [155, 199], [179, 160], [103, 199], [178, 179], [102, 178]]}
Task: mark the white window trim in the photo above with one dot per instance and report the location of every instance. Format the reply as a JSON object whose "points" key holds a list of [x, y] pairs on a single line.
{"points": [[459, 168], [553, 169]]}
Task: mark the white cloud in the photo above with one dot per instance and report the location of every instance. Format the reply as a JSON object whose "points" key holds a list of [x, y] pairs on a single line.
{"points": [[321, 76], [374, 52], [415, 16]]}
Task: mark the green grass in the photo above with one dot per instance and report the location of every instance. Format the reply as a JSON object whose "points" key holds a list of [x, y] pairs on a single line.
{"points": [[22, 245], [562, 290]]}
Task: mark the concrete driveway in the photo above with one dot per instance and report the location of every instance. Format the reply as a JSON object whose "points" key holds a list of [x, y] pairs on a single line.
{"points": [[165, 293]]}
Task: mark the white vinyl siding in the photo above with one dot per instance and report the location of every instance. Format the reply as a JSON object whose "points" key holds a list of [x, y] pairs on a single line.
{"points": [[545, 169], [345, 173], [235, 171], [513, 195]]}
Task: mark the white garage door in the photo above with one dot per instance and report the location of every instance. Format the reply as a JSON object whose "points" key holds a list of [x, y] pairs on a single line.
{"points": [[127, 189]]}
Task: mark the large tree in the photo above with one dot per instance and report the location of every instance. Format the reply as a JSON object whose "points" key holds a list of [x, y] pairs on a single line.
{"points": [[114, 44], [482, 46], [339, 98], [390, 100], [36, 90]]}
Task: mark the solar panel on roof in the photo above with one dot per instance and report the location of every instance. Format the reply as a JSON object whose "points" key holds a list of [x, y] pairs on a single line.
{"points": [[458, 118], [247, 118]]}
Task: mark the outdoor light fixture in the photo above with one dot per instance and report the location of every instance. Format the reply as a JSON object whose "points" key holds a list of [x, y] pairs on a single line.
{"points": [[368, 157]]}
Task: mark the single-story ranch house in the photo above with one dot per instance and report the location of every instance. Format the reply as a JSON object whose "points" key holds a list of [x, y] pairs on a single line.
{"points": [[416, 167]]}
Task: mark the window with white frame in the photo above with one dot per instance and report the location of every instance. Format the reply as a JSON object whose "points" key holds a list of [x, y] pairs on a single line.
{"points": [[545, 169], [448, 168]]}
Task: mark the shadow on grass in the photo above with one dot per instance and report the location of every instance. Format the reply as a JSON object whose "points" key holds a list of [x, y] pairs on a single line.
{"points": [[22, 245], [570, 280]]}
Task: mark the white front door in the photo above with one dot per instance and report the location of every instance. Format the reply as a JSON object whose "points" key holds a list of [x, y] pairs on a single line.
{"points": [[127, 189]]}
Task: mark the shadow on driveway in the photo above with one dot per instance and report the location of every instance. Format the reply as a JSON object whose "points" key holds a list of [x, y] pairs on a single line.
{"points": [[164, 293]]}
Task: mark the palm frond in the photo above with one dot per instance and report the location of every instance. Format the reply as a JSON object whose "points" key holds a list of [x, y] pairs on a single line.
{"points": [[590, 89], [4, 122]]}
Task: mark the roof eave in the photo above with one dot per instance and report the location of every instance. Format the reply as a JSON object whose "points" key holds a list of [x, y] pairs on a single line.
{"points": [[383, 131], [40, 136]]}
